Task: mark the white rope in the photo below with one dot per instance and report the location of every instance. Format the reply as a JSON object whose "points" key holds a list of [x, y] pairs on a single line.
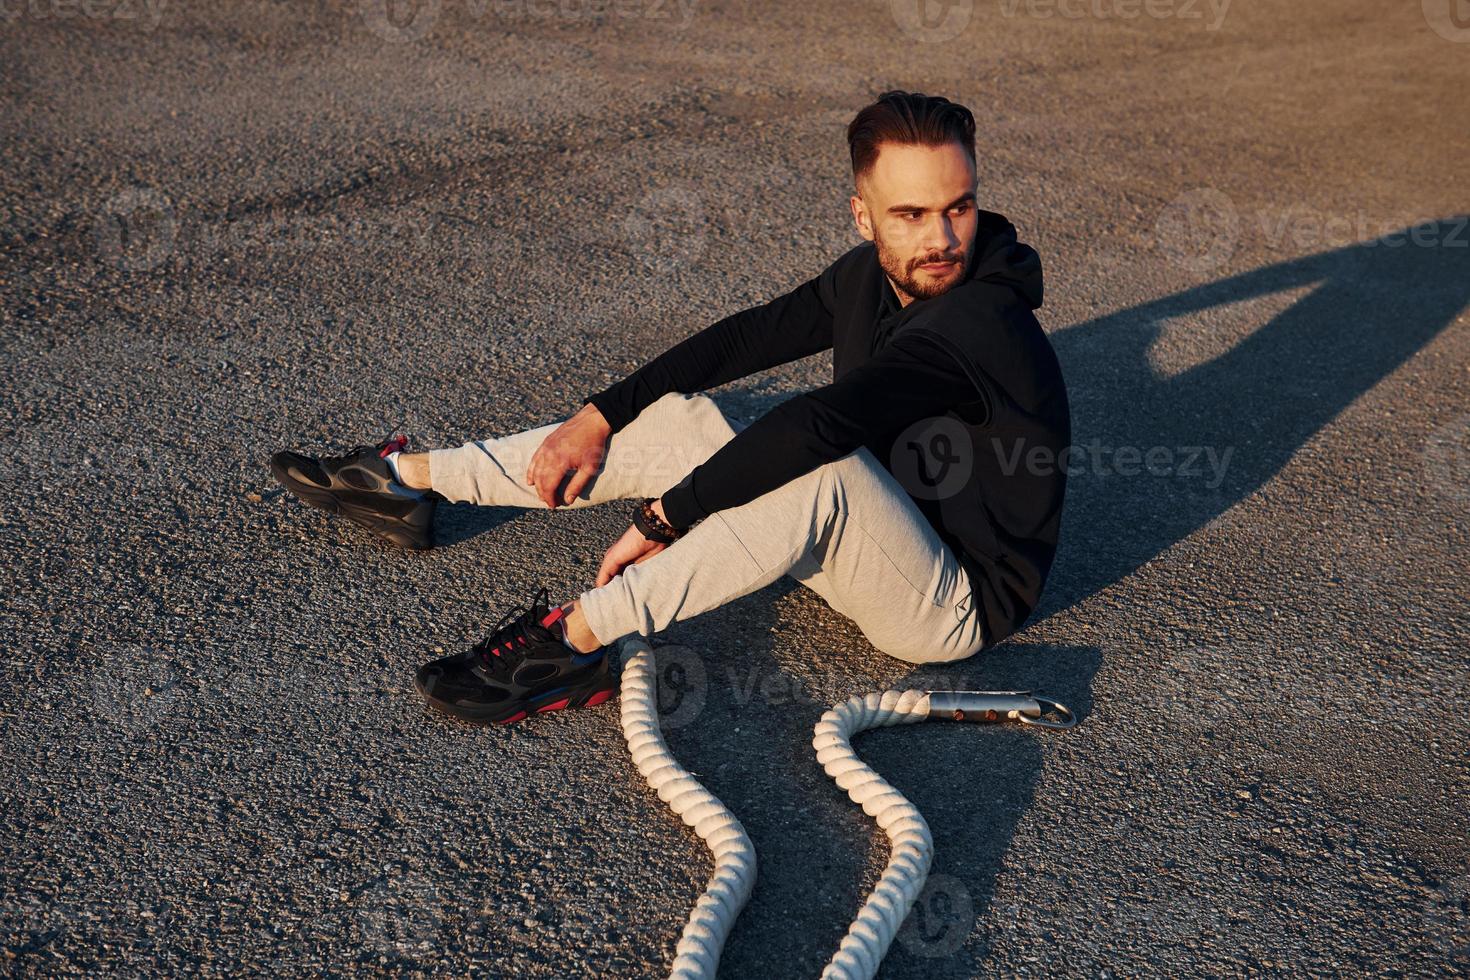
{"points": [[912, 847], [872, 932], [697, 956]]}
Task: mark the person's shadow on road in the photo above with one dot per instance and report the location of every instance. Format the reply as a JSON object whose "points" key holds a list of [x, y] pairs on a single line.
{"points": [[1236, 419]]}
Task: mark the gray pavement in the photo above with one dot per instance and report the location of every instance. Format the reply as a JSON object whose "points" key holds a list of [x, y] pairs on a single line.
{"points": [[229, 228]]}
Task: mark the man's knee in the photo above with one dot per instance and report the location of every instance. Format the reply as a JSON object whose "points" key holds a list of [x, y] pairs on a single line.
{"points": [[675, 433], [691, 413], [860, 475], [914, 651], [706, 411], [677, 402], [931, 654]]}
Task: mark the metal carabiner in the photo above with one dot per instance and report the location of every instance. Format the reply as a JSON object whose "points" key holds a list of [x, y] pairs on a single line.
{"points": [[1048, 706], [995, 706]]}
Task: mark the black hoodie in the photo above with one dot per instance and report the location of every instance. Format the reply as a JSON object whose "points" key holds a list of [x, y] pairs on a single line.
{"points": [[960, 397]]}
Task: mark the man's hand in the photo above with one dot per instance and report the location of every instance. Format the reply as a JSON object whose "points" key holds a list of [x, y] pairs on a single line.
{"points": [[579, 444], [631, 549]]}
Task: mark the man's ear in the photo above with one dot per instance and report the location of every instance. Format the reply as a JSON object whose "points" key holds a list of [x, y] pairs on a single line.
{"points": [[860, 217]]}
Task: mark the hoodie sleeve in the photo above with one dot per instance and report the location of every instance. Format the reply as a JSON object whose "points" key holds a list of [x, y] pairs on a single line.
{"points": [[789, 327], [911, 378]]}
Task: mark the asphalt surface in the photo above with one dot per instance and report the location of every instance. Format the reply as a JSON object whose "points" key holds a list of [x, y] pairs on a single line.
{"points": [[230, 228]]}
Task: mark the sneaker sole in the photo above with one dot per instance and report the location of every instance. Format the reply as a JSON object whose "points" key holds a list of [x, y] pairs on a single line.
{"points": [[587, 695], [391, 529]]}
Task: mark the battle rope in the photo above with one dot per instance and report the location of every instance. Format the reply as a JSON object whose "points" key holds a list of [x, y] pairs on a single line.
{"points": [[878, 921], [698, 954]]}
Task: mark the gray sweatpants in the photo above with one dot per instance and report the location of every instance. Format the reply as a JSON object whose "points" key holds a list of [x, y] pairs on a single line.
{"points": [[846, 530]]}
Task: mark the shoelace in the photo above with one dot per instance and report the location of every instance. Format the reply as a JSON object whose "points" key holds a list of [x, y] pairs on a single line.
{"points": [[502, 649], [393, 444]]}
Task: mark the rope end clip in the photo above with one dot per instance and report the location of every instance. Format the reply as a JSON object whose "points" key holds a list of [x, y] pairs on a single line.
{"points": [[995, 706]]}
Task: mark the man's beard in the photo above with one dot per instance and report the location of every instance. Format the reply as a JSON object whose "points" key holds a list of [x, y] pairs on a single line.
{"points": [[905, 275]]}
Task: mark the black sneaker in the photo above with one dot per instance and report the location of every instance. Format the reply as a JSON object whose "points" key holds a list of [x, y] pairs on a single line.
{"points": [[360, 486], [522, 668]]}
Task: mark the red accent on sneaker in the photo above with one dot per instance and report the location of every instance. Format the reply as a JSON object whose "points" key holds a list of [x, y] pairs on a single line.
{"points": [[554, 706], [598, 698], [395, 445], [552, 616], [515, 717]]}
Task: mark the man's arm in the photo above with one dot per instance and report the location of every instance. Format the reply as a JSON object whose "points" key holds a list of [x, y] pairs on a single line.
{"points": [[790, 326], [912, 378]]}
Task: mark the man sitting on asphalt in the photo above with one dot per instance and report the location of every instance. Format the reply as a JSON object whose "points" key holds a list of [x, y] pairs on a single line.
{"points": [[900, 493]]}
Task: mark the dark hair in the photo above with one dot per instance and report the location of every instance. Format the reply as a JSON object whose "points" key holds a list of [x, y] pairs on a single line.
{"points": [[910, 118]]}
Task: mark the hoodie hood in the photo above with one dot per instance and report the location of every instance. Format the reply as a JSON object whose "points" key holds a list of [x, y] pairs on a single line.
{"points": [[1001, 258]]}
